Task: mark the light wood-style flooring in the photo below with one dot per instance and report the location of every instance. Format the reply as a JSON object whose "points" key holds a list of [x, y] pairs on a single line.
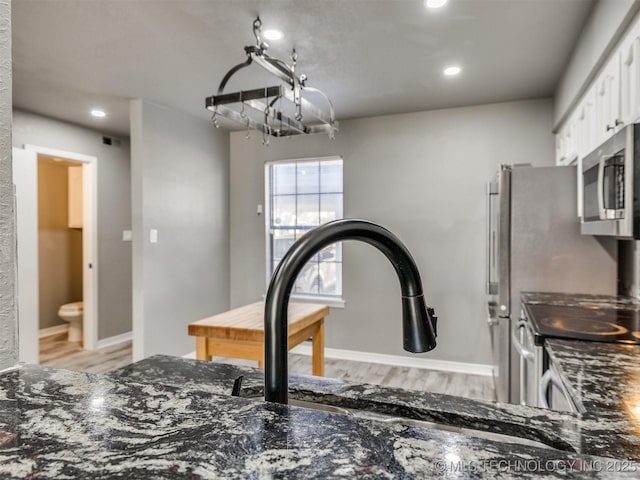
{"points": [[459, 384], [55, 351]]}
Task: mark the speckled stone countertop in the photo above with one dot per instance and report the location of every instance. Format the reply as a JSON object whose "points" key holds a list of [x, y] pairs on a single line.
{"points": [[557, 429], [62, 424], [580, 300], [603, 379]]}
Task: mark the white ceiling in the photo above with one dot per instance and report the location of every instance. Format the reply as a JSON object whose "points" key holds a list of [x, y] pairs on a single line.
{"points": [[372, 57]]}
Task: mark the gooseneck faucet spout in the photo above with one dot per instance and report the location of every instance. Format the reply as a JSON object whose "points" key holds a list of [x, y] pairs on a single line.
{"points": [[418, 327]]}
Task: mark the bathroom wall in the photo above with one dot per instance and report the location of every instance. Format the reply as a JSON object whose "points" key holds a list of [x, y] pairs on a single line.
{"points": [[59, 247], [8, 323]]}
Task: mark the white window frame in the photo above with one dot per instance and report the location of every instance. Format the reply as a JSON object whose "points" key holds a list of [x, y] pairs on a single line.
{"points": [[336, 301]]}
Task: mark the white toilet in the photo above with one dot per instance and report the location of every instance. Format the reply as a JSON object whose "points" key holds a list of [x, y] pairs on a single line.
{"points": [[72, 313]]}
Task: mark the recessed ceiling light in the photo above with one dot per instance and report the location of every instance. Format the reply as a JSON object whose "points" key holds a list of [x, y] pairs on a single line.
{"points": [[435, 3], [273, 34], [452, 71], [98, 113]]}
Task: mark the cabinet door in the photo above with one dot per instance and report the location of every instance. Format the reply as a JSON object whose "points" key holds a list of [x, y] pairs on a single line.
{"points": [[608, 118], [630, 77], [560, 148], [571, 139], [75, 197], [586, 125], [566, 142]]}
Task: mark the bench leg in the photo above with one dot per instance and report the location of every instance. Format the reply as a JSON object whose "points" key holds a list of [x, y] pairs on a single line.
{"points": [[317, 347], [201, 349]]}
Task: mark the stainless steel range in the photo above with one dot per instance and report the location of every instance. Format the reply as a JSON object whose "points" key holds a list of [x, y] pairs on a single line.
{"points": [[540, 383], [590, 323]]}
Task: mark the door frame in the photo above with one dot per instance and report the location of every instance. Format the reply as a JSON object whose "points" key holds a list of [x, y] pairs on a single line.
{"points": [[89, 238], [25, 184]]}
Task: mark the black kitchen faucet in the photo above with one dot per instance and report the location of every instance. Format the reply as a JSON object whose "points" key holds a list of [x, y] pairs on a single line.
{"points": [[419, 329]]}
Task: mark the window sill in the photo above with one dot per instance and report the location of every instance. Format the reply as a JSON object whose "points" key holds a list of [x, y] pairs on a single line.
{"points": [[333, 302]]}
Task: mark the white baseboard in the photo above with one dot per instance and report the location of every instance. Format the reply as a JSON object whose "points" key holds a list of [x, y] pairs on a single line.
{"points": [[399, 360], [115, 340], [50, 331]]}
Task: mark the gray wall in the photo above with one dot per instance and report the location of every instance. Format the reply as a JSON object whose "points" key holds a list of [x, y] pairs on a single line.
{"points": [[114, 209], [421, 175], [8, 324], [180, 187], [603, 29], [59, 247]]}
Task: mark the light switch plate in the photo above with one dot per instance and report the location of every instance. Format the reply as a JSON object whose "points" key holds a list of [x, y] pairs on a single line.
{"points": [[153, 235], [126, 236]]}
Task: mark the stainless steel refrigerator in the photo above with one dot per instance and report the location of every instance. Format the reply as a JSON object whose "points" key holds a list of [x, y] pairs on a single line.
{"points": [[534, 245]]}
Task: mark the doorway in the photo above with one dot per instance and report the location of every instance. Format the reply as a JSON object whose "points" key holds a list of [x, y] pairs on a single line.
{"points": [[28, 163]]}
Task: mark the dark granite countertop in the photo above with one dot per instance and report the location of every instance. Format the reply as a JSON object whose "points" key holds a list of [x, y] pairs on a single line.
{"points": [[603, 379], [580, 300], [555, 429], [561, 430], [62, 424]]}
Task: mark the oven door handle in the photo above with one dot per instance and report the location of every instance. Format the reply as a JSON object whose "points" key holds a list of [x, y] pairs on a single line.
{"points": [[522, 351], [549, 378], [545, 381]]}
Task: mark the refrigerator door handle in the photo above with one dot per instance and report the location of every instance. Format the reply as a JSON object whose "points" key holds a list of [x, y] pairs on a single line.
{"points": [[492, 319], [503, 242], [492, 287]]}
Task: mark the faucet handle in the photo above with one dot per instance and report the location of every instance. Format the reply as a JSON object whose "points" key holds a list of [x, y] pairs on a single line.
{"points": [[434, 319], [237, 385]]}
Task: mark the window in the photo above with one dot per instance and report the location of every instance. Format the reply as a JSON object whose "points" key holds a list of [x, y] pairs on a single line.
{"points": [[301, 195]]}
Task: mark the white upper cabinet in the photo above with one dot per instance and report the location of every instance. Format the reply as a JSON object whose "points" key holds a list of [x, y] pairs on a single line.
{"points": [[560, 156], [586, 117], [567, 141], [608, 119], [630, 76], [576, 138], [611, 102]]}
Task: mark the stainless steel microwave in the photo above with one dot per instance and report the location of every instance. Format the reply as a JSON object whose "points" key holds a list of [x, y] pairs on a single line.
{"points": [[610, 176]]}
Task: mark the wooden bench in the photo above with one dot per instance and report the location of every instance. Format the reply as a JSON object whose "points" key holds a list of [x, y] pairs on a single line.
{"points": [[239, 333]]}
